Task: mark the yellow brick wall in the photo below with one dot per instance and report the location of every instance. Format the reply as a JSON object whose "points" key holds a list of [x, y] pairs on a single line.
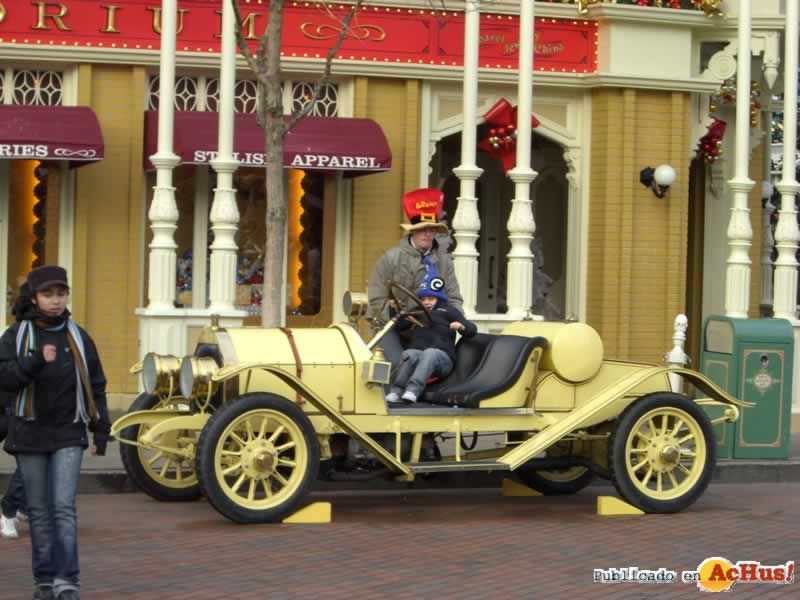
{"points": [[637, 242], [108, 220], [377, 209]]}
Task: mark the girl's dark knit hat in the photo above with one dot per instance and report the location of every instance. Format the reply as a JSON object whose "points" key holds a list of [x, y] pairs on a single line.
{"points": [[47, 276]]}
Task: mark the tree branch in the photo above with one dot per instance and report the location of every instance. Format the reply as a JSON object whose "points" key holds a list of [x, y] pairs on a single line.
{"points": [[252, 62], [326, 73]]}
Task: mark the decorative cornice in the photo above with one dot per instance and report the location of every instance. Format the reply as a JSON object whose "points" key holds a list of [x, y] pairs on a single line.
{"points": [[595, 80], [191, 60], [660, 16]]}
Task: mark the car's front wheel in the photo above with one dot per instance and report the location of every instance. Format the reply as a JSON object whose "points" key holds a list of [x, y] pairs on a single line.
{"points": [[662, 453], [162, 475], [258, 458]]}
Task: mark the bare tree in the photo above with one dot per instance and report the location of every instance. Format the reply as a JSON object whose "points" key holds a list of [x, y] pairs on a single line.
{"points": [[266, 65]]}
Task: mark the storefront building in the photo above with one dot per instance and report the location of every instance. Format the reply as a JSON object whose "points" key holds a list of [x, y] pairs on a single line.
{"points": [[616, 88]]}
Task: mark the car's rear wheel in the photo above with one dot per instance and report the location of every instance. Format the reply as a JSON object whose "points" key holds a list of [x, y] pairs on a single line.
{"points": [[258, 458], [556, 482], [159, 474], [662, 453]]}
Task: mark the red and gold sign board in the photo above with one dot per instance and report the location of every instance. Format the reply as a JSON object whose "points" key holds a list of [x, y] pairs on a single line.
{"points": [[377, 34]]}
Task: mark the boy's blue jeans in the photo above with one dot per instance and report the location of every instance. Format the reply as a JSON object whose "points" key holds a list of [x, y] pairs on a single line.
{"points": [[51, 481], [14, 500], [417, 366]]}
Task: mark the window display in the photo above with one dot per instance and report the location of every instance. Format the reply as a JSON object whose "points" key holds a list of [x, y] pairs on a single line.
{"points": [[33, 221], [305, 191]]}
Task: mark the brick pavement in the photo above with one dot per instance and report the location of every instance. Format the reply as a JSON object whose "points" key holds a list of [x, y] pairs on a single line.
{"points": [[422, 544]]}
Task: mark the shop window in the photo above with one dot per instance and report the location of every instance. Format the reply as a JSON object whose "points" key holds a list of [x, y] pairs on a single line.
{"points": [[186, 93], [43, 88], [304, 245], [245, 96], [305, 280], [327, 105], [184, 182], [31, 87], [202, 94], [33, 214]]}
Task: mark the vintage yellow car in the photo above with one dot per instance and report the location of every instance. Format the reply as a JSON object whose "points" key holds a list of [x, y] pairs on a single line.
{"points": [[249, 419]]}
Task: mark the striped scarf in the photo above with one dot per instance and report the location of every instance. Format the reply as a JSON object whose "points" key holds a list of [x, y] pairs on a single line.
{"points": [[85, 408]]}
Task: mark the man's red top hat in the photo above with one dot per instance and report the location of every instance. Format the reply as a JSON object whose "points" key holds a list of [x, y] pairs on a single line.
{"points": [[423, 207]]}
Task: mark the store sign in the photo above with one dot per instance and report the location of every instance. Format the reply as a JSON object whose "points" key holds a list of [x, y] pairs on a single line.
{"points": [[296, 161], [379, 34], [45, 151]]}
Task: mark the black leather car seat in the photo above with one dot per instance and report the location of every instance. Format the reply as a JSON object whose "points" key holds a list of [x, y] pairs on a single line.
{"points": [[502, 363], [469, 353]]}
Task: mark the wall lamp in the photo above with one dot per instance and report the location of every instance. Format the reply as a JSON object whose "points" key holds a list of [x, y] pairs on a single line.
{"points": [[658, 179]]}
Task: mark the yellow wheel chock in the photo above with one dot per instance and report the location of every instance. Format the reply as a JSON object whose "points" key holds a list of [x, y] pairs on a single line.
{"points": [[316, 512], [609, 506]]}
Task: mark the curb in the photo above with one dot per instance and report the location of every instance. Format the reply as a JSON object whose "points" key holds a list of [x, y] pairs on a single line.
{"points": [[726, 471]]}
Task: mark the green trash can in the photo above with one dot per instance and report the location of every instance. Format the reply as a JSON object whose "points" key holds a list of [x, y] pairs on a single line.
{"points": [[752, 360]]}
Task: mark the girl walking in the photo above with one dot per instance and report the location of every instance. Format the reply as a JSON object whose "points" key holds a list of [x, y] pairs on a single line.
{"points": [[54, 382]]}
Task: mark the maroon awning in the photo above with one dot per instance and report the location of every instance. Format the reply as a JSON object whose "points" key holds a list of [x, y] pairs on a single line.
{"points": [[50, 133], [355, 146]]}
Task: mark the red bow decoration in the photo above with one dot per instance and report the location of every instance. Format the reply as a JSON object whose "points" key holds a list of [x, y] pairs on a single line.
{"points": [[502, 140], [709, 147]]}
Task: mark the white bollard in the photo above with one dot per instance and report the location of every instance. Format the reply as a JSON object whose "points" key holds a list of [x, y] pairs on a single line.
{"points": [[677, 357]]}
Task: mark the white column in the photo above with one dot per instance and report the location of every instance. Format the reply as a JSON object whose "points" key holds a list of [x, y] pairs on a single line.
{"points": [[163, 213], [466, 221], [677, 357], [767, 243], [224, 211], [786, 232], [521, 225], [66, 215], [200, 237], [740, 231]]}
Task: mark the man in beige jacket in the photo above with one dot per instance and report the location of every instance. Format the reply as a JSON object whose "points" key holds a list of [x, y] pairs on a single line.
{"points": [[403, 264]]}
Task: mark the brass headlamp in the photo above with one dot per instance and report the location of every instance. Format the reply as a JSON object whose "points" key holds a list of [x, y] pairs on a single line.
{"points": [[160, 373], [195, 377]]}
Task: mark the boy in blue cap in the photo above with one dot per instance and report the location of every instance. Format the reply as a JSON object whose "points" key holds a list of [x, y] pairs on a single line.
{"points": [[432, 350]]}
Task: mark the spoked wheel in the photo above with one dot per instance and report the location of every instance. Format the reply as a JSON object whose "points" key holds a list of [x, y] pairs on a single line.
{"points": [[160, 474], [662, 453], [258, 458], [556, 482]]}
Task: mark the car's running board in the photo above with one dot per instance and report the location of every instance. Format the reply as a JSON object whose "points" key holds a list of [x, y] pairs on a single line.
{"points": [[438, 410], [451, 465]]}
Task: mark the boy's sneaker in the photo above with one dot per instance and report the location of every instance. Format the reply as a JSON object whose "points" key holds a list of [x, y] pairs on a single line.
{"points": [[393, 398], [409, 396], [43, 593], [8, 527]]}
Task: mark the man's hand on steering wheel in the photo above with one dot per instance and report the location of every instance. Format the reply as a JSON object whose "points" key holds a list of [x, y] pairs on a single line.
{"points": [[408, 305]]}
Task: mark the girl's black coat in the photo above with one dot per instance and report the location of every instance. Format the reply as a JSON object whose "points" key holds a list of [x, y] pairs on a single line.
{"points": [[55, 392]]}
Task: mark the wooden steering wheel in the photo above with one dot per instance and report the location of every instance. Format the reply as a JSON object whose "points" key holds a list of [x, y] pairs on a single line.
{"points": [[408, 305]]}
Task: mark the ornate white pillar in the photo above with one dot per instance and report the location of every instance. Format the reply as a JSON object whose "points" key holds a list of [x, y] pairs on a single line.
{"points": [[786, 232], [163, 212], [466, 221], [740, 231], [767, 243], [677, 357], [224, 211], [521, 225]]}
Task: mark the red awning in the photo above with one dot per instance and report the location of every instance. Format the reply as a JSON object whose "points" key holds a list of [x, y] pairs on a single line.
{"points": [[355, 146], [50, 133]]}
